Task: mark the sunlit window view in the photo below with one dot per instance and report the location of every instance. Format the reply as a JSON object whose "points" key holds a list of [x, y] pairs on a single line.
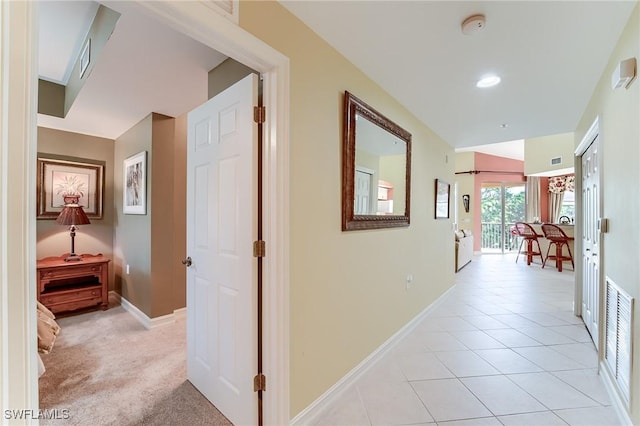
{"points": [[502, 205]]}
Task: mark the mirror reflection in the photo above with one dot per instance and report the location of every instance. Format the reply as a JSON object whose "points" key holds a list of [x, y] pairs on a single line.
{"points": [[379, 187], [376, 169]]}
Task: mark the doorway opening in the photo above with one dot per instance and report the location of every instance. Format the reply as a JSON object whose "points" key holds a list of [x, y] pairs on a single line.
{"points": [[198, 21], [502, 204]]}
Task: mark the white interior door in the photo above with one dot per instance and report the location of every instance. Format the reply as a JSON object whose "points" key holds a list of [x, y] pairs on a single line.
{"points": [[362, 203], [221, 228], [591, 240]]}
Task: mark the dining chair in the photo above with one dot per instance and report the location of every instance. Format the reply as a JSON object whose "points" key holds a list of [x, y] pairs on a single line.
{"points": [[528, 234], [559, 238]]}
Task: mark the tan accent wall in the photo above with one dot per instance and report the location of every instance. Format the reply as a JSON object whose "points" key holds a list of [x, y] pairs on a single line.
{"points": [[538, 153], [161, 204], [179, 226], [132, 233], [153, 244], [348, 291], [619, 113], [53, 239], [50, 98], [225, 75]]}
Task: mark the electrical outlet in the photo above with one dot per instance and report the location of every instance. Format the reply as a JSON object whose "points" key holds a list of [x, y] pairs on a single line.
{"points": [[127, 269]]}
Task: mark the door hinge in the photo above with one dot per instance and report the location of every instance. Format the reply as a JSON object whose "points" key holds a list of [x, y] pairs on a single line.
{"points": [[259, 114], [259, 383], [259, 248]]}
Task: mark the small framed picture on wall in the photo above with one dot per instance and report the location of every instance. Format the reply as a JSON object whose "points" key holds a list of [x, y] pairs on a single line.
{"points": [[134, 186], [442, 199]]}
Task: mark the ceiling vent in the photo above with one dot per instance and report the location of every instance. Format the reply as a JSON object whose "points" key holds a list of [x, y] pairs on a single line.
{"points": [[473, 24], [556, 161]]}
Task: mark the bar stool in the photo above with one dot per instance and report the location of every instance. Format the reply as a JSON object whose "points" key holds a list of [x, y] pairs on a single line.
{"points": [[528, 234], [556, 236]]}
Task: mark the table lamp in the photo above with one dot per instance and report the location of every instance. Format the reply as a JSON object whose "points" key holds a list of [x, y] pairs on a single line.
{"points": [[72, 215]]}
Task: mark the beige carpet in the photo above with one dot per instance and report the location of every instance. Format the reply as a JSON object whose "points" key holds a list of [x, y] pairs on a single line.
{"points": [[107, 369]]}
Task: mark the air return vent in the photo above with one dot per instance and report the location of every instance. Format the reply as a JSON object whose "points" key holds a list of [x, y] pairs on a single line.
{"points": [[227, 8], [618, 337], [555, 161]]}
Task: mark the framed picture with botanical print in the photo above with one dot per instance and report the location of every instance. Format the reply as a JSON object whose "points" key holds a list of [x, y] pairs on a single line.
{"points": [[134, 185], [61, 177], [442, 199]]}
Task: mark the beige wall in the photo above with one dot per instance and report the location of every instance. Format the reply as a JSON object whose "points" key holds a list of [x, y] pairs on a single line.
{"points": [[347, 288], [392, 170], [619, 112], [538, 153], [53, 239]]}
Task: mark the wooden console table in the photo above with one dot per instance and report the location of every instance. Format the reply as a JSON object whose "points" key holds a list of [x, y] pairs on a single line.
{"points": [[67, 286]]}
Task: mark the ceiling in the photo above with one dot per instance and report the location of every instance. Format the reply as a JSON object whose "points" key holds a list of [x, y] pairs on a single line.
{"points": [[509, 149], [549, 54], [145, 67]]}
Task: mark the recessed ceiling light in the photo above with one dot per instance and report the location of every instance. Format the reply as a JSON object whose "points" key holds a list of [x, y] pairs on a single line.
{"points": [[488, 81], [504, 125]]}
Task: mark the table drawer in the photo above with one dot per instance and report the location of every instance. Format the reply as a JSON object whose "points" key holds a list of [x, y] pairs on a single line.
{"points": [[72, 271], [74, 304], [69, 295]]}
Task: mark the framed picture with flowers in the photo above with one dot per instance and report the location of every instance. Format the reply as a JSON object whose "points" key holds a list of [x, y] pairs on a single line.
{"points": [[61, 179]]}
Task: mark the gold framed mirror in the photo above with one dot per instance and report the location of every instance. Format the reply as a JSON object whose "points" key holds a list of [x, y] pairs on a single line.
{"points": [[376, 169]]}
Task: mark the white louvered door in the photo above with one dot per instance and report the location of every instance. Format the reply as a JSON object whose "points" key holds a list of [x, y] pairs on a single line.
{"points": [[618, 337]]}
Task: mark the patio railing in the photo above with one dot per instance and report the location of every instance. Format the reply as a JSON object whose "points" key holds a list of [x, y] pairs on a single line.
{"points": [[491, 238]]}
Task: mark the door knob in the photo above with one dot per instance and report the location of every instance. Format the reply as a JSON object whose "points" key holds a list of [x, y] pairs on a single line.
{"points": [[187, 261]]}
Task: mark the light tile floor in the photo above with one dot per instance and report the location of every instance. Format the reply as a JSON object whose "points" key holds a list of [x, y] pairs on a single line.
{"points": [[504, 348]]}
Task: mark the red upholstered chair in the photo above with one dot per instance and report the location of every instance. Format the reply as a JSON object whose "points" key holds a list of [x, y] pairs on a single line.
{"points": [[557, 237], [528, 234]]}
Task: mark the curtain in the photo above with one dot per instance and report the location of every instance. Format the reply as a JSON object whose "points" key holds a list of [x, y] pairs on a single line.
{"points": [[557, 186], [555, 205], [532, 194]]}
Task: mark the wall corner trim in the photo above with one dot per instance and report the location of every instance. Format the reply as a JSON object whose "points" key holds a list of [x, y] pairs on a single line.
{"points": [[616, 401], [147, 322], [317, 407]]}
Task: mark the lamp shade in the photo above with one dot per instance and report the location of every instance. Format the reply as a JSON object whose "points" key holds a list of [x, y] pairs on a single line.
{"points": [[72, 214]]}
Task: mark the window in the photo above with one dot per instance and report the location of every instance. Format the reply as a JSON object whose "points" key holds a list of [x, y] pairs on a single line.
{"points": [[568, 205]]}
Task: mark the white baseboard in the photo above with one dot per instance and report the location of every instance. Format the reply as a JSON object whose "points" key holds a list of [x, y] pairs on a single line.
{"points": [[309, 414], [179, 314], [147, 322], [616, 401]]}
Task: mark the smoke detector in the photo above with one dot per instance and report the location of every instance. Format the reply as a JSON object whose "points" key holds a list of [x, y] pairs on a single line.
{"points": [[473, 24]]}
